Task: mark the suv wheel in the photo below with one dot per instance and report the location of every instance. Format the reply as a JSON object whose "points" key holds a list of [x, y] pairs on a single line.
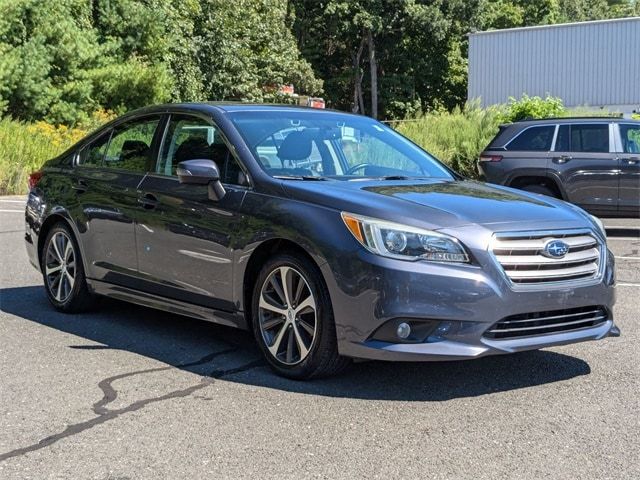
{"points": [[540, 189], [63, 271], [293, 319]]}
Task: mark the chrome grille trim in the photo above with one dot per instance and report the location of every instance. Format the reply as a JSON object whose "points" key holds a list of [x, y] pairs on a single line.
{"points": [[519, 257], [541, 323]]}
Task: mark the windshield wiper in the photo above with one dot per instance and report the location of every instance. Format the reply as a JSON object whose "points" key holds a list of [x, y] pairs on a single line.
{"points": [[300, 177]]}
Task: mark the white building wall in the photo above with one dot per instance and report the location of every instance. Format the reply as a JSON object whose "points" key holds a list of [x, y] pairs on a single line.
{"points": [[586, 64]]}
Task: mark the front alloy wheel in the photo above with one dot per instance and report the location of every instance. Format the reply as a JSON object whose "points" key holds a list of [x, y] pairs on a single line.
{"points": [[288, 316], [292, 318]]}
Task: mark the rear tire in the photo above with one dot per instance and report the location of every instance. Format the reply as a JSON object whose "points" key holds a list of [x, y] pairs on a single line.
{"points": [[540, 189], [63, 271], [293, 319]]}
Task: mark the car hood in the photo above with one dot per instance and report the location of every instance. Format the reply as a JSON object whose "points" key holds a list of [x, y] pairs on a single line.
{"points": [[439, 204]]}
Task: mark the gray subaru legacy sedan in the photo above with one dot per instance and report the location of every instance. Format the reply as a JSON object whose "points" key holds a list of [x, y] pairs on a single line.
{"points": [[328, 235]]}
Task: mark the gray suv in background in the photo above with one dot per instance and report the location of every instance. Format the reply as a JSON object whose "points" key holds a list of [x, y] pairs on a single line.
{"points": [[591, 162]]}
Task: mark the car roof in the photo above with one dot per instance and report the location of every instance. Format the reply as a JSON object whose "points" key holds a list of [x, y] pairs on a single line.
{"points": [[561, 120], [227, 107]]}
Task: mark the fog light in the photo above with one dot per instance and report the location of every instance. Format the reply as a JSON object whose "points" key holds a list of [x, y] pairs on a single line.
{"points": [[404, 330]]}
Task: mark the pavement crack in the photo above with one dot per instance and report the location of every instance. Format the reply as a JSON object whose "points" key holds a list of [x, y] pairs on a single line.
{"points": [[110, 394]]}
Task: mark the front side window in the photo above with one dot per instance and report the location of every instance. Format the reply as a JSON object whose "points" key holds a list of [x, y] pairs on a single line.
{"points": [[130, 145], [630, 138], [533, 139], [193, 138], [291, 143]]}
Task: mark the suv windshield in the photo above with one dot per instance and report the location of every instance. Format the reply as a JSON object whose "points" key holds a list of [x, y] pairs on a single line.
{"points": [[326, 144]]}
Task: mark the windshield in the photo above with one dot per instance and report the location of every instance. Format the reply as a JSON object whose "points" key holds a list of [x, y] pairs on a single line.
{"points": [[292, 143]]}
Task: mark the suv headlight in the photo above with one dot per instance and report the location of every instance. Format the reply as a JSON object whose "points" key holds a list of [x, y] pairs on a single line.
{"points": [[404, 242]]}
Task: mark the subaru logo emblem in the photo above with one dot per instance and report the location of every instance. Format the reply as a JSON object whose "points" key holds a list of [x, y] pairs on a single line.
{"points": [[555, 249]]}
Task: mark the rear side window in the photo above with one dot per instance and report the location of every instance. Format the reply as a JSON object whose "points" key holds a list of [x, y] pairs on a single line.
{"points": [[93, 154], [130, 146], [533, 139], [630, 138], [583, 138]]}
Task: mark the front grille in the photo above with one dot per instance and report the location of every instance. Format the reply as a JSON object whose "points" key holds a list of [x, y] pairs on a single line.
{"points": [[539, 323], [521, 257]]}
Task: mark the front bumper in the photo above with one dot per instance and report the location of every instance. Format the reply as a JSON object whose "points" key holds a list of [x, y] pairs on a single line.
{"points": [[372, 291]]}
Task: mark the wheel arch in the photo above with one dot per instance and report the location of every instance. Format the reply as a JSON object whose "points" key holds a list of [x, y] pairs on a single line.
{"points": [[55, 217], [550, 182], [260, 254]]}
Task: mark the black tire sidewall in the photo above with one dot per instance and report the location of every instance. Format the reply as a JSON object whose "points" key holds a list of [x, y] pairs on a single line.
{"points": [[324, 314]]}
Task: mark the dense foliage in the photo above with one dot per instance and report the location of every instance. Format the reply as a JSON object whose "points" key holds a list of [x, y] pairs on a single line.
{"points": [[61, 60]]}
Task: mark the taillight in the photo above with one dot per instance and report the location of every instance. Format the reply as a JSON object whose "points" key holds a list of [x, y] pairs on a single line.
{"points": [[490, 158], [34, 178]]}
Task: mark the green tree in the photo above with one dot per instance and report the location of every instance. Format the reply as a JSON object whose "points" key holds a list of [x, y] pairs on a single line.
{"points": [[246, 51], [62, 60]]}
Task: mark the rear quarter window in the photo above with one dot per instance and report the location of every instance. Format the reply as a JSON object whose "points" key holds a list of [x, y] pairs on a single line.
{"points": [[533, 139]]}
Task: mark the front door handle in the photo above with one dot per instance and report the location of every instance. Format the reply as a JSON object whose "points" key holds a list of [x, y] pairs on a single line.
{"points": [[562, 159], [148, 201], [631, 160], [80, 186]]}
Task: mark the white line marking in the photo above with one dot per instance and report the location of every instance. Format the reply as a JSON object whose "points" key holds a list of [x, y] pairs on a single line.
{"points": [[14, 211], [627, 258], [622, 284], [609, 239], [13, 201]]}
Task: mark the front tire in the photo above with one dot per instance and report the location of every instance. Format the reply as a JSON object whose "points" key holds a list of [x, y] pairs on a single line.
{"points": [[293, 319], [63, 271]]}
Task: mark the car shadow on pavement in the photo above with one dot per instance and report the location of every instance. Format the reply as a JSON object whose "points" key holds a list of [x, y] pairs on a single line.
{"points": [[191, 345]]}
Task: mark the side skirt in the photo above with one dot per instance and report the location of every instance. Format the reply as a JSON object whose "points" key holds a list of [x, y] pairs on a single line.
{"points": [[145, 299]]}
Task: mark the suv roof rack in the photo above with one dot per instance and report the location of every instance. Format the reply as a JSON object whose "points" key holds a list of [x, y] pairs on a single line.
{"points": [[583, 117]]}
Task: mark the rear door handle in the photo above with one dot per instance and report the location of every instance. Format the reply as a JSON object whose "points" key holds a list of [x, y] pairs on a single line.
{"points": [[562, 159], [148, 201], [80, 186], [631, 160]]}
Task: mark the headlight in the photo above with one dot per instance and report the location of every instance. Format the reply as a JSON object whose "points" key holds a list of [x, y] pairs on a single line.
{"points": [[600, 225], [404, 242]]}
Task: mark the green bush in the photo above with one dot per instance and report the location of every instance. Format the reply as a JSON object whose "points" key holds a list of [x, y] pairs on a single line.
{"points": [[456, 137], [533, 107]]}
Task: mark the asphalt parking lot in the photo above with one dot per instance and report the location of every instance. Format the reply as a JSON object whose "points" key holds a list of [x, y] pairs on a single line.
{"points": [[132, 393]]}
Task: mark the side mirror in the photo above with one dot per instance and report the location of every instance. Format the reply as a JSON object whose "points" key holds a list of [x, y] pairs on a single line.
{"points": [[202, 172]]}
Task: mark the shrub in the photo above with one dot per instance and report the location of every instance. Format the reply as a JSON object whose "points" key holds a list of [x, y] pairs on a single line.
{"points": [[533, 107], [456, 137]]}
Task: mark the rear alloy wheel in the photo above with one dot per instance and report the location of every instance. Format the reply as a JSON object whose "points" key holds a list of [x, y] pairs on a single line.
{"points": [[293, 319], [63, 272], [60, 266]]}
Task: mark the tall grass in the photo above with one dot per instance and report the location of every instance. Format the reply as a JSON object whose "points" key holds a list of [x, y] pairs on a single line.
{"points": [[25, 147], [22, 150], [458, 137], [455, 137]]}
